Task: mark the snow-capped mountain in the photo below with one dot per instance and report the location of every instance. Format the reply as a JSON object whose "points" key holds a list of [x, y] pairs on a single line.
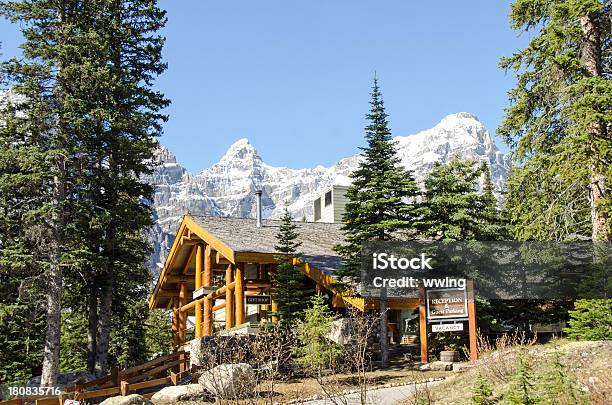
{"points": [[228, 187]]}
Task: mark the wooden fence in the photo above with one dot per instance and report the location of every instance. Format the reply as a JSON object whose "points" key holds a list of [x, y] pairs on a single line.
{"points": [[147, 376]]}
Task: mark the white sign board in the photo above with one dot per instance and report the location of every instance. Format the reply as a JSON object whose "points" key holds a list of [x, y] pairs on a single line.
{"points": [[447, 327]]}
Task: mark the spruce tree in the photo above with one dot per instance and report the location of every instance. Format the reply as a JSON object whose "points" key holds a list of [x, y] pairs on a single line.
{"points": [[381, 198], [452, 207], [86, 135], [381, 201], [559, 122], [289, 287], [44, 137], [559, 119]]}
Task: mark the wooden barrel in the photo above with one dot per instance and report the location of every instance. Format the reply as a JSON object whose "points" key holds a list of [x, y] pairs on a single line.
{"points": [[449, 355]]}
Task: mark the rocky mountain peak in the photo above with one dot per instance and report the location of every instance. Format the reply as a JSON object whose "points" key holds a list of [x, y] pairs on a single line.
{"points": [[227, 187], [241, 150]]}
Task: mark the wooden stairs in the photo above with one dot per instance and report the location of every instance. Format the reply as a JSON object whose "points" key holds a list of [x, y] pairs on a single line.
{"points": [[145, 379]]}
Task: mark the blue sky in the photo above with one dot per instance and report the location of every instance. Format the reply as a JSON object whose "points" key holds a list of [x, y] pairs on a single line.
{"points": [[294, 76]]}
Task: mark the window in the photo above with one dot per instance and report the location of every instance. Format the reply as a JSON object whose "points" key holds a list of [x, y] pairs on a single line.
{"points": [[317, 209], [328, 198]]}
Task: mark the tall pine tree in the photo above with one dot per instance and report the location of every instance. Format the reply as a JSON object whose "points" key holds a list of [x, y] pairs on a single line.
{"points": [[381, 200], [289, 288], [559, 123], [559, 119]]}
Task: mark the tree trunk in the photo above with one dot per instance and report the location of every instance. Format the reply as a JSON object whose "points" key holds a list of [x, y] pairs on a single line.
{"points": [[92, 309], [50, 367], [591, 57], [104, 328], [51, 355], [384, 342]]}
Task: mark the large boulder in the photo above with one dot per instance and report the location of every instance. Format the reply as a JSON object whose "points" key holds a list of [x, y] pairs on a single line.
{"points": [[229, 381], [189, 392], [441, 365], [132, 399]]}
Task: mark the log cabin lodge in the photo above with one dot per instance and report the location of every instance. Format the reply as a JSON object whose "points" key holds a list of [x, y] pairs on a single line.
{"points": [[216, 278]]}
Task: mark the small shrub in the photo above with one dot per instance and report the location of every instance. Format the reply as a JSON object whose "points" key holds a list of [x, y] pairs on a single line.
{"points": [[521, 390], [482, 392], [591, 320], [559, 384]]}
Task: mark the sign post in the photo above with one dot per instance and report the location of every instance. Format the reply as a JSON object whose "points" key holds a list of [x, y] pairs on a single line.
{"points": [[454, 305], [423, 325], [472, 320]]}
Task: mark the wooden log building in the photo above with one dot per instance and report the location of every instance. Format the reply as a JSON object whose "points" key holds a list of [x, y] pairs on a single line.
{"points": [[218, 266]]}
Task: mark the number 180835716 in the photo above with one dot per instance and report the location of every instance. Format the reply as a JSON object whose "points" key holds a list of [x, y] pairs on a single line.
{"points": [[27, 391]]}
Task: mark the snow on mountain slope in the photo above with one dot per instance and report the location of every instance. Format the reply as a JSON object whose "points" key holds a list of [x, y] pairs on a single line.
{"points": [[227, 188]]}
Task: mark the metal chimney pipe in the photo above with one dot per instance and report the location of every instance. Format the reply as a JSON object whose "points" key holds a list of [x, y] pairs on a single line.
{"points": [[258, 212]]}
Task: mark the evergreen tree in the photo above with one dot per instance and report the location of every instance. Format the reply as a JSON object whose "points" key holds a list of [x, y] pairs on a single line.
{"points": [[43, 136], [591, 320], [85, 135], [522, 386], [288, 282], [381, 199], [452, 207], [482, 392], [559, 121], [315, 351]]}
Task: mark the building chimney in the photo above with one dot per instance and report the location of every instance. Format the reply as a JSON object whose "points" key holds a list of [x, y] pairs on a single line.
{"points": [[258, 213]]}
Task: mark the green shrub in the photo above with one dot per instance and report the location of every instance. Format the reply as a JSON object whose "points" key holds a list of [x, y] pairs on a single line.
{"points": [[591, 320], [482, 392]]}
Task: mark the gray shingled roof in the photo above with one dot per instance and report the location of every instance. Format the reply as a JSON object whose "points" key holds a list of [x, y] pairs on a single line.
{"points": [[242, 235]]}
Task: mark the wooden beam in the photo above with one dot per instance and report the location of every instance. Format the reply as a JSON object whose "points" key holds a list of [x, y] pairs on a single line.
{"points": [[167, 293], [182, 315], [219, 246], [198, 284], [175, 327], [251, 284], [229, 298], [239, 294], [190, 257], [208, 265], [219, 259], [208, 317], [219, 306], [179, 278], [255, 257]]}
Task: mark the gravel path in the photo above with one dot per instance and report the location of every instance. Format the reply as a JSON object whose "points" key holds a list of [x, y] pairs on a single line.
{"points": [[380, 396]]}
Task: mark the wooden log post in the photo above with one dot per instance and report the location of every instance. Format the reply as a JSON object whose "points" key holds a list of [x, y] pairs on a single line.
{"points": [[472, 321], [423, 325], [198, 285], [239, 294], [182, 326], [229, 298], [207, 282], [274, 311], [175, 323]]}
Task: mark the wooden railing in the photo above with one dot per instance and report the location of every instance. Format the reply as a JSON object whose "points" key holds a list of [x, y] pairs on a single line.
{"points": [[121, 382]]}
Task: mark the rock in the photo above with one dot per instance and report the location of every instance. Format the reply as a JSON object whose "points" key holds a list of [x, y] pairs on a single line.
{"points": [[425, 367], [132, 399], [461, 367], [442, 365], [189, 392], [229, 380]]}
